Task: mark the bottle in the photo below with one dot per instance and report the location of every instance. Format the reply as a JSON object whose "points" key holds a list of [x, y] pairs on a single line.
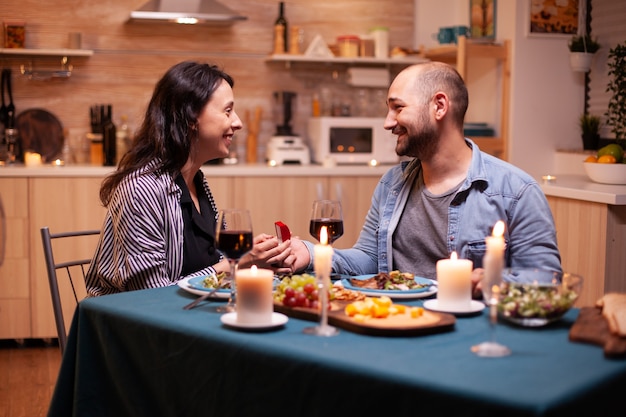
{"points": [[123, 138], [280, 31], [109, 138]]}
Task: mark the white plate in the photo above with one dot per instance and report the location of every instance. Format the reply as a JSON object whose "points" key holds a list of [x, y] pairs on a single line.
{"points": [[399, 294], [474, 307], [230, 319], [185, 285]]}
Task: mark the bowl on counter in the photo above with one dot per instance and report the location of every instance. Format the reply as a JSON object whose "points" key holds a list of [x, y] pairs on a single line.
{"points": [[534, 297], [606, 173]]}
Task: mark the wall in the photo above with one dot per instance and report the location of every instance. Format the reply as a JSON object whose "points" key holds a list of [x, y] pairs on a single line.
{"points": [[130, 57], [546, 96]]}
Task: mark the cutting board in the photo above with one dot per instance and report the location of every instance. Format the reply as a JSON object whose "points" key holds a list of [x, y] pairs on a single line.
{"points": [[591, 327], [397, 325], [41, 132]]}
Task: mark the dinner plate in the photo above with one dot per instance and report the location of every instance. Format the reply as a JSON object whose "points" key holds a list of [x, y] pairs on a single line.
{"points": [[194, 286], [404, 294], [230, 319], [474, 307]]}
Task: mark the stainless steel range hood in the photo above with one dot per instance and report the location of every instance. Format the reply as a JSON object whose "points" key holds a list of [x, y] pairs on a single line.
{"points": [[186, 11]]}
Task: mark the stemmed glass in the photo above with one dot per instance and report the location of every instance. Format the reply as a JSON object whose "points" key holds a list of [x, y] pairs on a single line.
{"points": [[491, 348], [233, 235], [327, 213]]}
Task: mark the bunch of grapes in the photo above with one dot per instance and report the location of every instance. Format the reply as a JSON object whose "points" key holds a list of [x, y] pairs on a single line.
{"points": [[298, 291]]}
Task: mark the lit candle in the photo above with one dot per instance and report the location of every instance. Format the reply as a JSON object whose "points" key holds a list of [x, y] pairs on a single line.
{"points": [[454, 277], [493, 261], [323, 256], [254, 295], [32, 159]]}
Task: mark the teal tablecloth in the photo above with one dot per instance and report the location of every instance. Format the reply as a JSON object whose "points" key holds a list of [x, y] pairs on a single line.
{"points": [[141, 354]]}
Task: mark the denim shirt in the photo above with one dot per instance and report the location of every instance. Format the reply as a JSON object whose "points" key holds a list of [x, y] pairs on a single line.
{"points": [[493, 190]]}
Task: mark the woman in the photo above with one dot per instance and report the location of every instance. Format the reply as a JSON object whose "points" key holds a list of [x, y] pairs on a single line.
{"points": [[160, 221]]}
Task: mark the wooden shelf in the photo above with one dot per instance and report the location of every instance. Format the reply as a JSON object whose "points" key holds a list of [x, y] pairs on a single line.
{"points": [[288, 59], [45, 52]]}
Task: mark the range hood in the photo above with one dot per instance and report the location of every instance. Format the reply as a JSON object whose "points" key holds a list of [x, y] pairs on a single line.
{"points": [[186, 11]]}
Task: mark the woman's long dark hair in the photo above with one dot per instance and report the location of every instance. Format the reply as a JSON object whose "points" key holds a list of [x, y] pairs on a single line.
{"points": [[167, 131]]}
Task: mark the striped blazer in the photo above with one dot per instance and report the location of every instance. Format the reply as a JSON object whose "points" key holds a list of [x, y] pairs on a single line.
{"points": [[141, 242]]}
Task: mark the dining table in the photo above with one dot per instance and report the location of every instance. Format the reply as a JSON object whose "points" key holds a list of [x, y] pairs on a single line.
{"points": [[140, 353]]}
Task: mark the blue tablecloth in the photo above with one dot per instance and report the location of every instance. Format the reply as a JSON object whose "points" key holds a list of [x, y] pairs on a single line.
{"points": [[140, 354]]}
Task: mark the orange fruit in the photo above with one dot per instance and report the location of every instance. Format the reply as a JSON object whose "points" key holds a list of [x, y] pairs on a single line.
{"points": [[591, 158], [607, 159]]}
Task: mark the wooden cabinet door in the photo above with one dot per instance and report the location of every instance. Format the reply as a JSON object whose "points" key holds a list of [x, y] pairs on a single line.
{"points": [[62, 204], [14, 270]]}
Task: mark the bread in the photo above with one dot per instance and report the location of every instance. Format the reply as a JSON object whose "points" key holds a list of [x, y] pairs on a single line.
{"points": [[614, 311]]}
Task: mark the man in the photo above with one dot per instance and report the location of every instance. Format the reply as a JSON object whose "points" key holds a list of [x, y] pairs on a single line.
{"points": [[448, 198]]}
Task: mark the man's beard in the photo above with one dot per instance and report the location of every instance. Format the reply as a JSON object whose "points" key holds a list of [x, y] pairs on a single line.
{"points": [[421, 145]]}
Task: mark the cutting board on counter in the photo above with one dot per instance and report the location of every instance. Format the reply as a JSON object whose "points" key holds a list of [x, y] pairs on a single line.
{"points": [[397, 325], [41, 132], [591, 327]]}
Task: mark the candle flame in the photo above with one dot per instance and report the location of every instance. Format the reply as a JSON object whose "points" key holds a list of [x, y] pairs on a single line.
{"points": [[323, 236], [454, 257], [498, 229], [253, 269]]}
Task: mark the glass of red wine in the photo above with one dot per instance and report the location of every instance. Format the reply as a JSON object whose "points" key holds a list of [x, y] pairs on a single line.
{"points": [[233, 235], [327, 213]]}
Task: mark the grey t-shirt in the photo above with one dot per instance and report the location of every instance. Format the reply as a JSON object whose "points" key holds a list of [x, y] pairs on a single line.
{"points": [[419, 241]]}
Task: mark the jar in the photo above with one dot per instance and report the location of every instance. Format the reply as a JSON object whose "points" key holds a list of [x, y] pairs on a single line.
{"points": [[96, 148], [381, 41], [348, 46]]}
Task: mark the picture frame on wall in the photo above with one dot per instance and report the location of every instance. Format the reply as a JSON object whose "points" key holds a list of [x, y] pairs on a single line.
{"points": [[483, 20], [553, 18]]}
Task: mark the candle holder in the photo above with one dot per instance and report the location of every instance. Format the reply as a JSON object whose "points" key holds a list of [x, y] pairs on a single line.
{"points": [[491, 348]]}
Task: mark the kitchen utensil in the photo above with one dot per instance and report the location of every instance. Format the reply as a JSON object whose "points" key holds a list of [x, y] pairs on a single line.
{"points": [[40, 131], [3, 107], [10, 107], [253, 132], [201, 298]]}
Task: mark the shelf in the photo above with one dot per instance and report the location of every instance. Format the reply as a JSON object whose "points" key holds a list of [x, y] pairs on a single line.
{"points": [[45, 52], [288, 59]]}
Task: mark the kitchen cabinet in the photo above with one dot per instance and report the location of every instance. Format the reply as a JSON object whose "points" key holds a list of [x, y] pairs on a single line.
{"points": [[68, 199], [592, 241], [15, 317], [464, 56]]}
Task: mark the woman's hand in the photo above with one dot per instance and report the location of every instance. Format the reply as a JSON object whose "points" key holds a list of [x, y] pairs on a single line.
{"points": [[269, 254]]}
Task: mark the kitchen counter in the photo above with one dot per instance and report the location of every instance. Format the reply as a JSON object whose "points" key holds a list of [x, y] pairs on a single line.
{"points": [[236, 170], [580, 187]]}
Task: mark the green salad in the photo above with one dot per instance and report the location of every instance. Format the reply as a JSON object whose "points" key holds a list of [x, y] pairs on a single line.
{"points": [[520, 301]]}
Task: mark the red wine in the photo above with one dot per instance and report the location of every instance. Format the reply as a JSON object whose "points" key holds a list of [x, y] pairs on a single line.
{"points": [[234, 243], [334, 227]]}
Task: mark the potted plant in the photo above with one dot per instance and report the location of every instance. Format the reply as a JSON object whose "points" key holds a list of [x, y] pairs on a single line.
{"points": [[582, 48], [590, 130], [616, 113]]}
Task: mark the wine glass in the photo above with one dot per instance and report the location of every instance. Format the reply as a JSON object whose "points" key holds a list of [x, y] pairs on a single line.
{"points": [[327, 213], [233, 236], [491, 348]]}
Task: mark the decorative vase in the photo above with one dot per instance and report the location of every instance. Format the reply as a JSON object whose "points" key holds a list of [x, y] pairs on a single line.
{"points": [[591, 141], [580, 61]]}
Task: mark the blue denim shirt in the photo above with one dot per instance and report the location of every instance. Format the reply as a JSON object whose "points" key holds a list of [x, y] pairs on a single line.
{"points": [[493, 190]]}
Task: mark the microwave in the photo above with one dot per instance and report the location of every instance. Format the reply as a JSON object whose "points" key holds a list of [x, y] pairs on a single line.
{"points": [[351, 140]]}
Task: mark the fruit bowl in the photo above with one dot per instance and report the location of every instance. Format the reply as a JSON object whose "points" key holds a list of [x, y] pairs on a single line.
{"points": [[606, 173], [533, 297]]}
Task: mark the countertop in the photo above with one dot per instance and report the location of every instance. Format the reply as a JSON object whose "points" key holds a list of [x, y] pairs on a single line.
{"points": [[235, 170], [580, 187]]}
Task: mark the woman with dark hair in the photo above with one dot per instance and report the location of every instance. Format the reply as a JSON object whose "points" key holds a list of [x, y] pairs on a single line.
{"points": [[161, 215]]}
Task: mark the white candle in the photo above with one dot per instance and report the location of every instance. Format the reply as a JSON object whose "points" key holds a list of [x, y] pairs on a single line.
{"points": [[493, 261], [32, 159], [254, 295], [323, 256], [454, 277]]}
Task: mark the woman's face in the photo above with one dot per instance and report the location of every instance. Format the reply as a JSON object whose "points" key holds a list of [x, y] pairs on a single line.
{"points": [[217, 124]]}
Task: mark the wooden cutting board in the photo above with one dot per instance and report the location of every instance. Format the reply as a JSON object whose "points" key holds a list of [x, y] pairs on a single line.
{"points": [[591, 327], [397, 325]]}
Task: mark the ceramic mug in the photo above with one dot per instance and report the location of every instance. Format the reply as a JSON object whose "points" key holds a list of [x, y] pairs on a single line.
{"points": [[460, 31], [445, 35]]}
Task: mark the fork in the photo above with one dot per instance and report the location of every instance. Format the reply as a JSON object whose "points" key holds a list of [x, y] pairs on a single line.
{"points": [[201, 298]]}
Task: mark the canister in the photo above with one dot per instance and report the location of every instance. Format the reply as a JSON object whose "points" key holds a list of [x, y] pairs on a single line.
{"points": [[348, 46], [96, 149], [381, 41]]}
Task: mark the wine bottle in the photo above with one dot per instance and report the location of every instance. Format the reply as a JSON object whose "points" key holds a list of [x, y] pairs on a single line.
{"points": [[280, 31], [109, 138]]}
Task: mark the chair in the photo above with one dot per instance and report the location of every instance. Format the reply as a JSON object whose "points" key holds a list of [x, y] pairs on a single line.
{"points": [[72, 268]]}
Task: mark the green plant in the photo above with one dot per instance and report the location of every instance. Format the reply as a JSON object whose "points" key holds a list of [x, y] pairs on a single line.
{"points": [[589, 124], [583, 44], [616, 113]]}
